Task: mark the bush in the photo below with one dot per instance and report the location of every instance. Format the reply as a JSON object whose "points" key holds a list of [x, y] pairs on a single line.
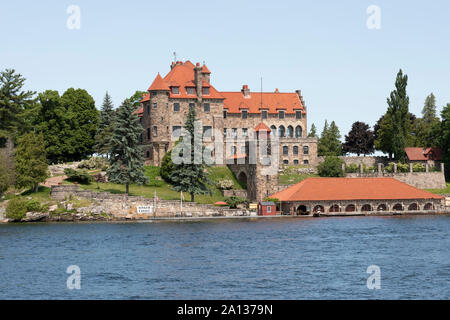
{"points": [[33, 206], [418, 167], [16, 209], [167, 167], [331, 167], [234, 201], [80, 176], [352, 168], [224, 184], [401, 167], [94, 163]]}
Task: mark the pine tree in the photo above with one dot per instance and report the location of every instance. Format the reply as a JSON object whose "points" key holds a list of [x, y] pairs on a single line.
{"points": [[312, 131], [127, 158], [398, 108], [329, 142], [105, 127], [14, 103], [359, 140], [31, 164], [427, 129], [189, 176]]}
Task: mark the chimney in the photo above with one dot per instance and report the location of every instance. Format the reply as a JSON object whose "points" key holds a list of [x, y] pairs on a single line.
{"points": [[172, 65], [299, 93], [198, 80], [245, 91], [276, 90]]}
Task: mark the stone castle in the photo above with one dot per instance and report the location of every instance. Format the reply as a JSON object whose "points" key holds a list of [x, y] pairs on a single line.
{"points": [[235, 115]]}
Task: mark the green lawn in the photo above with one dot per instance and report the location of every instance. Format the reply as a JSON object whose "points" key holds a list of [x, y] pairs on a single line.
{"points": [[290, 175], [164, 190], [441, 191], [43, 195]]}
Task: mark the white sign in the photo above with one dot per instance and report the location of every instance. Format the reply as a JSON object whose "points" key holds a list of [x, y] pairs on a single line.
{"points": [[144, 209]]}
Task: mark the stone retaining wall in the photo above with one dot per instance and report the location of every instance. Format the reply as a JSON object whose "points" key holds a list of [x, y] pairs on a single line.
{"points": [[123, 206], [421, 180]]}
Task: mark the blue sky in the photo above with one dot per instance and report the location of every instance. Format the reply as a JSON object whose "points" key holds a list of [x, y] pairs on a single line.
{"points": [[324, 48]]}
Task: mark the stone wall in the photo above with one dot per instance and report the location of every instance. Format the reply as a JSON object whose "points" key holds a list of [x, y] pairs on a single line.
{"points": [[369, 161], [123, 206], [421, 180], [241, 193]]}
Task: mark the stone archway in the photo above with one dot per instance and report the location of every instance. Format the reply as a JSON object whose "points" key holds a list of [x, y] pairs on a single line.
{"points": [[302, 210], [366, 207], [334, 208], [350, 208], [382, 207], [413, 207], [397, 207], [428, 206], [242, 177], [319, 208]]}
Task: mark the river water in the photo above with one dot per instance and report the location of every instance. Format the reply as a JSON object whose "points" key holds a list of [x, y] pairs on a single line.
{"points": [[310, 258]]}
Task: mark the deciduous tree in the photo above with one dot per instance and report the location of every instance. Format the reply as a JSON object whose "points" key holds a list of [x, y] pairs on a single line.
{"points": [[359, 140]]}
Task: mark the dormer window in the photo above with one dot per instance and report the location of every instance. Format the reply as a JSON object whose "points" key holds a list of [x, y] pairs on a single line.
{"points": [[244, 114], [205, 90], [264, 114], [298, 114], [281, 114], [190, 90], [175, 90]]}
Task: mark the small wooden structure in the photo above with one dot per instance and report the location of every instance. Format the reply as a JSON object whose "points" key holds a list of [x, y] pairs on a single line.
{"points": [[267, 208]]}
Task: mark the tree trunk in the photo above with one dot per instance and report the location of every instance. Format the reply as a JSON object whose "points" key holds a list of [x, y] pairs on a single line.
{"points": [[36, 187], [127, 189], [192, 197]]}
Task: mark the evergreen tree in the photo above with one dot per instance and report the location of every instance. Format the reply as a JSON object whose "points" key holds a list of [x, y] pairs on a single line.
{"points": [[398, 106], [83, 118], [445, 138], [189, 176], [312, 131], [5, 173], [427, 129], [14, 104], [31, 164], [359, 140], [329, 143], [127, 159], [105, 127]]}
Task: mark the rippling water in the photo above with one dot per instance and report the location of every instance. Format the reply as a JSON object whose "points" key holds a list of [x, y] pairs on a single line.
{"points": [[317, 258]]}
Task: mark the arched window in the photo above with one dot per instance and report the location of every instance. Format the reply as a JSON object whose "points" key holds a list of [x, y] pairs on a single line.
{"points": [[366, 207], [273, 130], [290, 132], [305, 150], [382, 207], [281, 132], [295, 149], [413, 206], [298, 131], [319, 208], [397, 207], [285, 150]]}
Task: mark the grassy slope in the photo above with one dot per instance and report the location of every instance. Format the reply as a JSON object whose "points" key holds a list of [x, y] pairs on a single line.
{"points": [[164, 190], [291, 175], [441, 191]]}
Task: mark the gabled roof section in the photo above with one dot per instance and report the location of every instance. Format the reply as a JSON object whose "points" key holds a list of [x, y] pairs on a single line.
{"points": [[205, 69], [158, 84], [329, 189], [423, 154], [262, 127], [145, 97]]}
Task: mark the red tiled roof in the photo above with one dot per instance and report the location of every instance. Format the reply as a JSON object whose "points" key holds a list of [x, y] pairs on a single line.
{"points": [[183, 75], [323, 189], [205, 69], [158, 84], [139, 112], [145, 97], [271, 101], [421, 154], [262, 127]]}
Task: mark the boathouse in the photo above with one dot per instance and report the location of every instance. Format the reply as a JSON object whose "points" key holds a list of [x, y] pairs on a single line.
{"points": [[347, 195], [267, 208]]}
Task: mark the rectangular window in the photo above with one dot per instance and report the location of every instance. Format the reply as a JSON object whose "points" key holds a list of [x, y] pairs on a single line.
{"points": [[244, 114], [269, 209], [206, 107], [305, 150], [205, 90], [234, 133], [305, 161], [207, 132], [155, 131], [148, 133], [281, 114], [224, 114], [264, 114], [175, 90], [190, 90], [154, 93], [285, 161], [176, 107], [224, 132], [155, 105], [285, 150], [298, 114], [244, 132], [295, 150], [176, 132], [295, 161]]}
